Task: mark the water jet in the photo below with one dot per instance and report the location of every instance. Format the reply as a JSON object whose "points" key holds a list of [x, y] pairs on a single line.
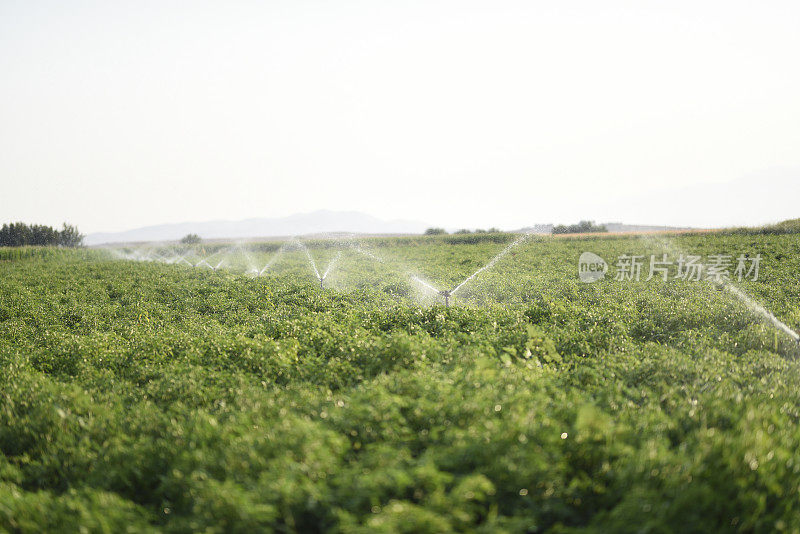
{"points": [[446, 293], [494, 260], [762, 311], [275, 257], [313, 264], [725, 284]]}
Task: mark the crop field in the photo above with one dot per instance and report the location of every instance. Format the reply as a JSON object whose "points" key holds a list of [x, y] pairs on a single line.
{"points": [[169, 396]]}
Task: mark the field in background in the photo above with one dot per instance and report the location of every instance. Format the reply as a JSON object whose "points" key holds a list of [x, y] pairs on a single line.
{"points": [[143, 395]]}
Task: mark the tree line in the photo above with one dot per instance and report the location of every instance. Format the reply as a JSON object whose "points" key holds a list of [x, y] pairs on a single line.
{"points": [[583, 227], [21, 234], [442, 231]]}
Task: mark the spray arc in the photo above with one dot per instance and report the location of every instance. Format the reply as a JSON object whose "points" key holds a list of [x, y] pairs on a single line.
{"points": [[448, 293], [221, 257]]}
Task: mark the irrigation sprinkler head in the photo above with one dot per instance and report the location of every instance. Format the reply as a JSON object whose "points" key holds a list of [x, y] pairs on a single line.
{"points": [[446, 294], [321, 284]]}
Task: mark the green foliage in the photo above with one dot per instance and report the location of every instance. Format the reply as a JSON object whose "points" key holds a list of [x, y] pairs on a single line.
{"points": [[191, 239], [21, 234], [22, 253], [583, 227], [142, 397], [540, 347], [435, 231], [791, 226], [477, 231], [69, 236]]}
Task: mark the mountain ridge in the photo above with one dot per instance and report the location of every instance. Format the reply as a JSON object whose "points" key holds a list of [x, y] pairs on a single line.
{"points": [[314, 222]]}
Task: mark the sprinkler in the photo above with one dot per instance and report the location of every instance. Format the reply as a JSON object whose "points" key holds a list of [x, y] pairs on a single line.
{"points": [[446, 294], [321, 285]]}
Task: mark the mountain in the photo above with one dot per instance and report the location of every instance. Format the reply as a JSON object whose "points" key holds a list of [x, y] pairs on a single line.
{"points": [[316, 222]]}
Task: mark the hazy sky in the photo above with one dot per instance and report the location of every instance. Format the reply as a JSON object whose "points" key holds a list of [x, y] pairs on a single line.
{"points": [[121, 114]]}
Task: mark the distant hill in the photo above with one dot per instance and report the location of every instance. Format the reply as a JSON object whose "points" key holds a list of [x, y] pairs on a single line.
{"points": [[316, 222]]}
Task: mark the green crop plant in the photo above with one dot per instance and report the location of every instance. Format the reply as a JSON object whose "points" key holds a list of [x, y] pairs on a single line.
{"points": [[148, 397]]}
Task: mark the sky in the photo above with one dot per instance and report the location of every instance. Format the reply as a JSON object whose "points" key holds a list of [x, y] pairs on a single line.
{"points": [[115, 115]]}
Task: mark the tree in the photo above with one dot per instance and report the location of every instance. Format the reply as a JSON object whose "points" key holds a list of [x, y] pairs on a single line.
{"points": [[43, 236], [191, 239], [435, 231], [70, 236], [21, 234], [583, 227], [14, 235]]}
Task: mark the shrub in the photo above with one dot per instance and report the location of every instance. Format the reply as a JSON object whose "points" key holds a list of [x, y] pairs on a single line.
{"points": [[191, 239], [583, 227]]}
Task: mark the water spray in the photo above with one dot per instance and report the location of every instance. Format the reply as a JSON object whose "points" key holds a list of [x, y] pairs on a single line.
{"points": [[330, 266], [446, 293], [204, 261], [170, 256], [250, 261], [744, 298], [494, 260], [761, 310], [311, 262], [275, 257]]}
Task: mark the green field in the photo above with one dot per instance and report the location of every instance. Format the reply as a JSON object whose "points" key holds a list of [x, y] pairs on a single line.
{"points": [[145, 396]]}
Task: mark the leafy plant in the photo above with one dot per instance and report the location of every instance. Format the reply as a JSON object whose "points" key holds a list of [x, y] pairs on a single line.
{"points": [[145, 396]]}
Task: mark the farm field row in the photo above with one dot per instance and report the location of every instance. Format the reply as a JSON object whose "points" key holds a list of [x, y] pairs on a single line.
{"points": [[145, 396]]}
